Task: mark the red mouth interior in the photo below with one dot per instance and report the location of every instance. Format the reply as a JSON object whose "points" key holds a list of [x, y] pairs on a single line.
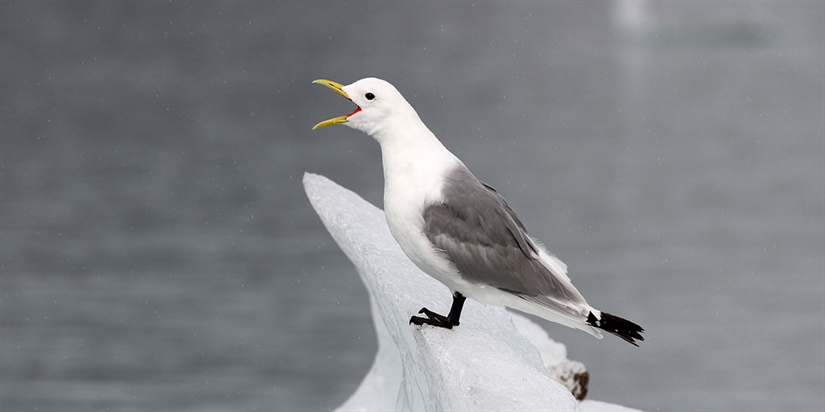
{"points": [[357, 109]]}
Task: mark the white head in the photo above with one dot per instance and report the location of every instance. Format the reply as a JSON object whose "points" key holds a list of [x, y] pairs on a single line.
{"points": [[379, 105]]}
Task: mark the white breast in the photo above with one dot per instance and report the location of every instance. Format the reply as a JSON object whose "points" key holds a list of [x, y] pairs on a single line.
{"points": [[413, 177]]}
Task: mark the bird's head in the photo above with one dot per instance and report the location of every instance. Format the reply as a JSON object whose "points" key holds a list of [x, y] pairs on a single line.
{"points": [[379, 104]]}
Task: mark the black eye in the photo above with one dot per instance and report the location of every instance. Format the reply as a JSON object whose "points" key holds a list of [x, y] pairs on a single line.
{"points": [[369, 96]]}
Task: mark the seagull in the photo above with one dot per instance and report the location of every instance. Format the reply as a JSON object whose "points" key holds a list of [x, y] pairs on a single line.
{"points": [[456, 228]]}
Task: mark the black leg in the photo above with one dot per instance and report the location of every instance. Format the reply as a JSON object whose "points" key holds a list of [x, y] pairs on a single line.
{"points": [[442, 321]]}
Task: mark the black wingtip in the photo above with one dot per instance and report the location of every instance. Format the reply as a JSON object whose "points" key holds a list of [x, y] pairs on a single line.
{"points": [[623, 328]]}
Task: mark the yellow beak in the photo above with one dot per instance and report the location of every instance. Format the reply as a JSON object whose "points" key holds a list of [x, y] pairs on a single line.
{"points": [[339, 88]]}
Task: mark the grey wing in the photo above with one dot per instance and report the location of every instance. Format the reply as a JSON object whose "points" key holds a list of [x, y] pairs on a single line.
{"points": [[482, 236]]}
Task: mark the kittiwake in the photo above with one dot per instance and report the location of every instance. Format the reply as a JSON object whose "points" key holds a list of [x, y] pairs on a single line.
{"points": [[458, 229]]}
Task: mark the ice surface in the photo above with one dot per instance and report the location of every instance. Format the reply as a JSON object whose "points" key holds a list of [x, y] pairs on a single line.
{"points": [[596, 406], [573, 375], [485, 364]]}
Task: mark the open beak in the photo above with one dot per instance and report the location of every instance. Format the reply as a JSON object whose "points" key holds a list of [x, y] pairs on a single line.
{"points": [[339, 88]]}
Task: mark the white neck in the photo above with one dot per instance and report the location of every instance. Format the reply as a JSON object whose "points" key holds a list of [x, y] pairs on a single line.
{"points": [[413, 150]]}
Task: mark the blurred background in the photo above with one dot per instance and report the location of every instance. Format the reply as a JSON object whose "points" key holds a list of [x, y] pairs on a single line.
{"points": [[158, 251]]}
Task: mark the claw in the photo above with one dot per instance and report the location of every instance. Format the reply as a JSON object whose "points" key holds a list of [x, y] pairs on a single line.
{"points": [[441, 321], [433, 319], [433, 316]]}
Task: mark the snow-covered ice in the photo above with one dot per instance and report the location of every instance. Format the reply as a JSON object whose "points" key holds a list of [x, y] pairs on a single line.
{"points": [[490, 362]]}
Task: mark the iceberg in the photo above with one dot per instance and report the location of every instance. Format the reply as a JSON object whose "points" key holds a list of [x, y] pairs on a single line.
{"points": [[494, 361]]}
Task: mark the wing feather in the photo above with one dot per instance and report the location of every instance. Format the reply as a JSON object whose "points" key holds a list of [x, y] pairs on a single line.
{"points": [[481, 235]]}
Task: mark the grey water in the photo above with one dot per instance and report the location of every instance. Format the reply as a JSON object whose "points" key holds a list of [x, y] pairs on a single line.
{"points": [[157, 251]]}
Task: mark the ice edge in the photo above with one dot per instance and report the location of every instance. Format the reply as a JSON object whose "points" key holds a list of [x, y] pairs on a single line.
{"points": [[485, 364]]}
